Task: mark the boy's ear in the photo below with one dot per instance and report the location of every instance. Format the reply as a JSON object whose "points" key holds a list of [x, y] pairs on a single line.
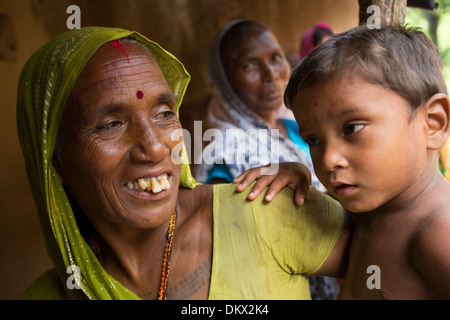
{"points": [[438, 120]]}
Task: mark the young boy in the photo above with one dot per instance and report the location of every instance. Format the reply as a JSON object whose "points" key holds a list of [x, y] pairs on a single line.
{"points": [[373, 107]]}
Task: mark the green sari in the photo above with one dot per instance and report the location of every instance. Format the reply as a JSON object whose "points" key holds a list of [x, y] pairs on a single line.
{"points": [[444, 160], [44, 87]]}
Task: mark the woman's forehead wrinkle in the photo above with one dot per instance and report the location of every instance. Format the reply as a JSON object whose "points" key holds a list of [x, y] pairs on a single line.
{"points": [[110, 79], [115, 72], [117, 65]]}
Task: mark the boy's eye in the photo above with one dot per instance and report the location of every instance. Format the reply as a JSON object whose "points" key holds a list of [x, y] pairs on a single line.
{"points": [[352, 128], [311, 141]]}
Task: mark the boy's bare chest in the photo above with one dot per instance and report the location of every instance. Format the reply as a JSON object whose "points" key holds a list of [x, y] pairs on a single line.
{"points": [[380, 268]]}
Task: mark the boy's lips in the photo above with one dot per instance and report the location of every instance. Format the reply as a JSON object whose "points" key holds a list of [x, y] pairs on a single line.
{"points": [[343, 189]]}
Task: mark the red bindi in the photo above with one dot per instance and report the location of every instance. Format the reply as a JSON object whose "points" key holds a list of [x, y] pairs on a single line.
{"points": [[139, 94], [118, 45]]}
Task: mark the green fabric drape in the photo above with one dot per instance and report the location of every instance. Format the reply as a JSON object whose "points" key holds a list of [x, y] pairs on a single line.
{"points": [[444, 160], [44, 86]]}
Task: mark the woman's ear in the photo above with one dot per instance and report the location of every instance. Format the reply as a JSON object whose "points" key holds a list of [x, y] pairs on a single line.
{"points": [[438, 120]]}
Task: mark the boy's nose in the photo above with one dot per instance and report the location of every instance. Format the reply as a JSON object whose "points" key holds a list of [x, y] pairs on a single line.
{"points": [[333, 158]]}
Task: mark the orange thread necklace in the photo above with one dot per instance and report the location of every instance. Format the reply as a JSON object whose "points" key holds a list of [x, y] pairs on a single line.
{"points": [[166, 258]]}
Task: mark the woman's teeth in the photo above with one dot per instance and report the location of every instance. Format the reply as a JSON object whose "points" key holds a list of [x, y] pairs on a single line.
{"points": [[154, 185]]}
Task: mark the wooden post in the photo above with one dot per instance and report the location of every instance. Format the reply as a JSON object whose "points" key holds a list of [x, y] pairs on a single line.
{"points": [[391, 11]]}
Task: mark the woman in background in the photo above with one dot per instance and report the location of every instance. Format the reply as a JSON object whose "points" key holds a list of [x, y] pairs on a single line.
{"points": [[313, 37]]}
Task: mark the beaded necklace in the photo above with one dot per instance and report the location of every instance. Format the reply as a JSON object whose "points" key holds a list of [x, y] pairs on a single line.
{"points": [[95, 243], [166, 258]]}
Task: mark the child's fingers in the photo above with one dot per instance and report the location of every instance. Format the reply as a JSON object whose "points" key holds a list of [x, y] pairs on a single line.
{"points": [[247, 178], [240, 177], [260, 185], [275, 187], [242, 182], [301, 192]]}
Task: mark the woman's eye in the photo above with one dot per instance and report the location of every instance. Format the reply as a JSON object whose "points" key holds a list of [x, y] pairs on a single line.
{"points": [[109, 125], [167, 114], [249, 66], [276, 57], [352, 128]]}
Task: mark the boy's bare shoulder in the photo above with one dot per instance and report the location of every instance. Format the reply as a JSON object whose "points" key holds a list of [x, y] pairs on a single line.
{"points": [[430, 247]]}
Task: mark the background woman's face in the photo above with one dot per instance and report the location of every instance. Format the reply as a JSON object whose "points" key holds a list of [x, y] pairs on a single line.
{"points": [[261, 71], [113, 136]]}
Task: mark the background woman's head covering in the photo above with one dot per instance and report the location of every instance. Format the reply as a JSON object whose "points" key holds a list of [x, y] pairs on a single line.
{"points": [[44, 87], [218, 78], [312, 36]]}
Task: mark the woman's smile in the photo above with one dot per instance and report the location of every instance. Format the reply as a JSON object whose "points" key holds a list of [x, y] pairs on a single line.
{"points": [[149, 184], [150, 187]]}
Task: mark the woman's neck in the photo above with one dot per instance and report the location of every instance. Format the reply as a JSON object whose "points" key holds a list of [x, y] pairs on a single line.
{"points": [[270, 118], [274, 122], [134, 258]]}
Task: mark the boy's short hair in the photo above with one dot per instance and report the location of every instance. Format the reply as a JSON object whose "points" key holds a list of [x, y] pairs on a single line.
{"points": [[399, 58]]}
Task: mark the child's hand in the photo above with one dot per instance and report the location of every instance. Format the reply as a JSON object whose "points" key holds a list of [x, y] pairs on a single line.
{"points": [[291, 174]]}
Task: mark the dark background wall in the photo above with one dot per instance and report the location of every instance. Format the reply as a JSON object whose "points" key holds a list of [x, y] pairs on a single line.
{"points": [[184, 27]]}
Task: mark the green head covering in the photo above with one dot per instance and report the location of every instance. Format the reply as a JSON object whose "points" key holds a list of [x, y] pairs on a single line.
{"points": [[44, 87]]}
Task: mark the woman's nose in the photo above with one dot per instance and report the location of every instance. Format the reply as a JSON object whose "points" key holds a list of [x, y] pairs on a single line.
{"points": [[149, 143], [270, 72]]}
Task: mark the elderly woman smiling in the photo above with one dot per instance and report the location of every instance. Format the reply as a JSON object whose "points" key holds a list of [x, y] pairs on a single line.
{"points": [[96, 112]]}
